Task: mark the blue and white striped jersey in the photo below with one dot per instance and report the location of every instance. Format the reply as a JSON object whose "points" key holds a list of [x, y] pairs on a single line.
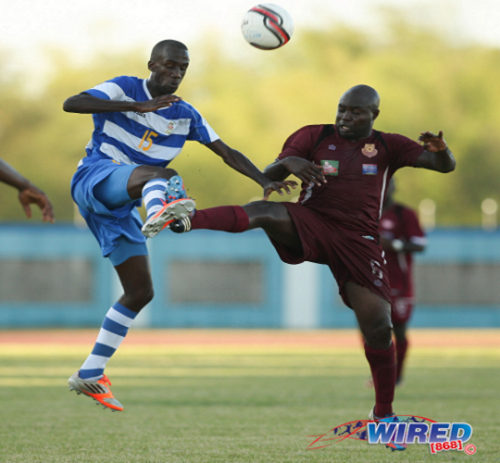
{"points": [[153, 138]]}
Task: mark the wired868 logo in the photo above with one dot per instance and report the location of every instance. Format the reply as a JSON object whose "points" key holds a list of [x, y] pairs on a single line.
{"points": [[398, 431]]}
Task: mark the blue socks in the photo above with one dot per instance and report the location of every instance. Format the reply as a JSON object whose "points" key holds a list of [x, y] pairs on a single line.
{"points": [[159, 191], [116, 323], [153, 194]]}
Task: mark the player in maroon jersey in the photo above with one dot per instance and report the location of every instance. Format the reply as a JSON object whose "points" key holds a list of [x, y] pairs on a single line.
{"points": [[400, 235], [344, 169]]}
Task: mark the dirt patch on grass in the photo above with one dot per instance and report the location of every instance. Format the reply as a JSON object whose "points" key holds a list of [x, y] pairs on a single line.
{"points": [[275, 338]]}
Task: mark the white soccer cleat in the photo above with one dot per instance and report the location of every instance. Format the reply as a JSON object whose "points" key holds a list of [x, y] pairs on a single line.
{"points": [[177, 209]]}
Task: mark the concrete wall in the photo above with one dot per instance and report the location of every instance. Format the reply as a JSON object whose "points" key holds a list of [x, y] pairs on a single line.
{"points": [[55, 276]]}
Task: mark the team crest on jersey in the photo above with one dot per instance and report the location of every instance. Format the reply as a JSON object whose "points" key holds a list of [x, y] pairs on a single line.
{"points": [[369, 150], [330, 167], [170, 127]]}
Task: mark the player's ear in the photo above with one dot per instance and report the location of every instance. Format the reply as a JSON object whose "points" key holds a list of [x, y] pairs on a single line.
{"points": [[375, 112], [151, 65]]}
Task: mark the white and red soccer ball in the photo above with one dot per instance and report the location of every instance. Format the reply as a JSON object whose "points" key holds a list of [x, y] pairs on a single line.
{"points": [[267, 26]]}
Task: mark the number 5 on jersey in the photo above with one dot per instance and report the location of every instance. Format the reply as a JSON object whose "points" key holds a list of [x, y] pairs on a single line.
{"points": [[147, 140]]}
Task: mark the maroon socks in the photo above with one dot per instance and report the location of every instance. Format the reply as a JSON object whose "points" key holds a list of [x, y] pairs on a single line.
{"points": [[383, 367], [225, 218]]}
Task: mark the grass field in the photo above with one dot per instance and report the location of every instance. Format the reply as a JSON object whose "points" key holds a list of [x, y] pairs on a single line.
{"points": [[237, 397]]}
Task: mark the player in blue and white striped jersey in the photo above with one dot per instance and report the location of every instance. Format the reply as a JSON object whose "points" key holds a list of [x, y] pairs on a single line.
{"points": [[139, 127], [152, 138]]}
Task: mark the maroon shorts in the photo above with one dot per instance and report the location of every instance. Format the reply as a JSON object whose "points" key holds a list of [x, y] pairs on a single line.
{"points": [[351, 255]]}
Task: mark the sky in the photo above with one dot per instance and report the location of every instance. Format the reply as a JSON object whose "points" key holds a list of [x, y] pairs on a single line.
{"points": [[88, 25]]}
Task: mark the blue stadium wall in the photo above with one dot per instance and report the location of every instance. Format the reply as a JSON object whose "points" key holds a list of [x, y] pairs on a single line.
{"points": [[54, 276]]}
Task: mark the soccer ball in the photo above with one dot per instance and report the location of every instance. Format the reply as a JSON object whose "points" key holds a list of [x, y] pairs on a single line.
{"points": [[267, 26]]}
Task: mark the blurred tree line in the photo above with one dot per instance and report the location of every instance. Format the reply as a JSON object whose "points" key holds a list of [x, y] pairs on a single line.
{"points": [[256, 99]]}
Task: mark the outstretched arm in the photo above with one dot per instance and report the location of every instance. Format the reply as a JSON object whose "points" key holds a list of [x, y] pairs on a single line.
{"points": [[305, 170], [238, 161], [84, 103], [28, 193], [437, 155]]}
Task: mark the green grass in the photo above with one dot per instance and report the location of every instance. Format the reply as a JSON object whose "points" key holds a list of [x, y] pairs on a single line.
{"points": [[227, 405]]}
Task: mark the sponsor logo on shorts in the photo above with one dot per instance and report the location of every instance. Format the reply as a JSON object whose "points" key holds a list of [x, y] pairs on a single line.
{"points": [[330, 167]]}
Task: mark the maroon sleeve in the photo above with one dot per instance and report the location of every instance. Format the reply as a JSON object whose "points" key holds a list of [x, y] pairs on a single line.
{"points": [[301, 142], [403, 150]]}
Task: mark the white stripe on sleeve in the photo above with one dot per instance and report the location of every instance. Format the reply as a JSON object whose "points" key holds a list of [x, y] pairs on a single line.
{"points": [[111, 89]]}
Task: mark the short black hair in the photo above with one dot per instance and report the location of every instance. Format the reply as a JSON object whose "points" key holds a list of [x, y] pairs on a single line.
{"points": [[164, 44]]}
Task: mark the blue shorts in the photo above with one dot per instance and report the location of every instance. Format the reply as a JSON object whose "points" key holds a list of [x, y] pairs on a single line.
{"points": [[99, 188]]}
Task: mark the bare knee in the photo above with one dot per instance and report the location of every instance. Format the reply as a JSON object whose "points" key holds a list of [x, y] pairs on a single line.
{"points": [[143, 174], [373, 314], [146, 173], [136, 281], [379, 334], [262, 213], [259, 207], [138, 298]]}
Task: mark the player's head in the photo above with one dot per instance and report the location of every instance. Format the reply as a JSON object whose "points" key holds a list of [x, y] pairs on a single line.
{"points": [[356, 112], [168, 64]]}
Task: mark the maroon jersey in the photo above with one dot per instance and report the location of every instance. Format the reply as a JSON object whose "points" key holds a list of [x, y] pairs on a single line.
{"points": [[337, 223], [401, 222], [357, 172]]}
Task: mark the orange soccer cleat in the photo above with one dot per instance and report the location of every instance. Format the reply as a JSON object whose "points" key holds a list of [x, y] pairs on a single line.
{"points": [[97, 389]]}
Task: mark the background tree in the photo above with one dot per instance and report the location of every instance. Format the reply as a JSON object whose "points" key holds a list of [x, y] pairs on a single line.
{"points": [[426, 82]]}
